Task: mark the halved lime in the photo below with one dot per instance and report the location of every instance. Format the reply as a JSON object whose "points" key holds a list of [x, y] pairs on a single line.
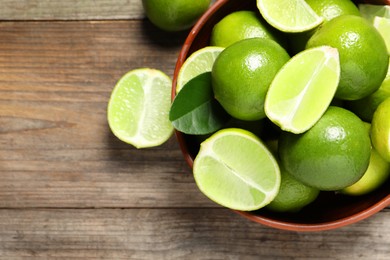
{"points": [[380, 129], [236, 170], [198, 63], [369, 12], [289, 15], [383, 26], [139, 106], [303, 89]]}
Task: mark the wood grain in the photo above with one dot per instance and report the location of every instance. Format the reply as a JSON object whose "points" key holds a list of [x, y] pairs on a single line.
{"points": [[70, 9], [177, 234], [56, 147]]}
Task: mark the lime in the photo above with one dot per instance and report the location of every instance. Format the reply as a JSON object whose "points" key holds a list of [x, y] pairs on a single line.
{"points": [[138, 108], [242, 74], [332, 155], [363, 68], [329, 9], [383, 26], [377, 173], [234, 169], [197, 63], [174, 15], [303, 89], [369, 11], [366, 107], [289, 15], [242, 25], [293, 195], [380, 129]]}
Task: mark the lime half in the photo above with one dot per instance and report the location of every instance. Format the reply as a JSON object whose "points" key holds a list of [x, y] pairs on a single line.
{"points": [[138, 108], [289, 15], [198, 63], [303, 89], [236, 170]]}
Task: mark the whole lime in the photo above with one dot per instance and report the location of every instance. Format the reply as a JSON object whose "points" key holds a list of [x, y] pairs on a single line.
{"points": [[332, 155], [293, 195], [174, 15], [242, 74], [363, 54], [242, 25]]}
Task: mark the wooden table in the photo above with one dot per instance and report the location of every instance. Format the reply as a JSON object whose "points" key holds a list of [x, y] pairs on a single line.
{"points": [[69, 189]]}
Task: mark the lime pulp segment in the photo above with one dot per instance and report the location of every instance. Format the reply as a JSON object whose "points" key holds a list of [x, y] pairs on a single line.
{"points": [[138, 108], [234, 169], [369, 11], [383, 26], [197, 63], [303, 89], [289, 15]]}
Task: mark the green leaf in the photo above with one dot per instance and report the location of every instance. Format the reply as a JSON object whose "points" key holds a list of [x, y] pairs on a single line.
{"points": [[195, 110]]}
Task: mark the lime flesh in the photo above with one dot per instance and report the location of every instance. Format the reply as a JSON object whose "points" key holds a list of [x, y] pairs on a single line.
{"points": [[303, 89], [289, 15], [197, 63], [138, 108], [236, 170]]}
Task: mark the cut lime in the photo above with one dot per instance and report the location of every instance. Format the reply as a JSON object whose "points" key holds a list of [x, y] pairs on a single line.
{"points": [[303, 89], [289, 15], [383, 26], [370, 11], [236, 170], [138, 108], [380, 129], [198, 63]]}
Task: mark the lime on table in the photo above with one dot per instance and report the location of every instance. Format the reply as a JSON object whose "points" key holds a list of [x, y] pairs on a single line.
{"points": [[303, 89], [383, 26], [289, 15], [380, 129], [197, 63], [236, 170], [174, 15], [138, 108]]}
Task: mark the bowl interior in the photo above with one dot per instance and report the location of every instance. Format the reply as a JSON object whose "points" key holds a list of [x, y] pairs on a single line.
{"points": [[330, 210]]}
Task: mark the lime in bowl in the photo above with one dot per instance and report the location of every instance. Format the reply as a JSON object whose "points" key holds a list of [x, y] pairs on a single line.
{"points": [[330, 209]]}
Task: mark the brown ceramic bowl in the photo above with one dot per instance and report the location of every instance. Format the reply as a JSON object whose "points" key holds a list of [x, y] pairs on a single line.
{"points": [[330, 210]]}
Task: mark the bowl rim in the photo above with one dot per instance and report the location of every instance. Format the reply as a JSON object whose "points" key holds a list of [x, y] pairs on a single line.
{"points": [[270, 222]]}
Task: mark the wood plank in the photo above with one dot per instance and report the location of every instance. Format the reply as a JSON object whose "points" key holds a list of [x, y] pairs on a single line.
{"points": [[178, 234], [70, 9], [56, 148]]}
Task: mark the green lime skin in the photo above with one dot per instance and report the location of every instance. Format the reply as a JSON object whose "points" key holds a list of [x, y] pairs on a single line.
{"points": [[332, 155], [363, 54], [242, 74], [293, 195], [174, 15], [242, 25]]}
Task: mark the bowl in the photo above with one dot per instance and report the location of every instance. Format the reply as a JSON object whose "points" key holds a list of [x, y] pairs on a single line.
{"points": [[330, 210]]}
